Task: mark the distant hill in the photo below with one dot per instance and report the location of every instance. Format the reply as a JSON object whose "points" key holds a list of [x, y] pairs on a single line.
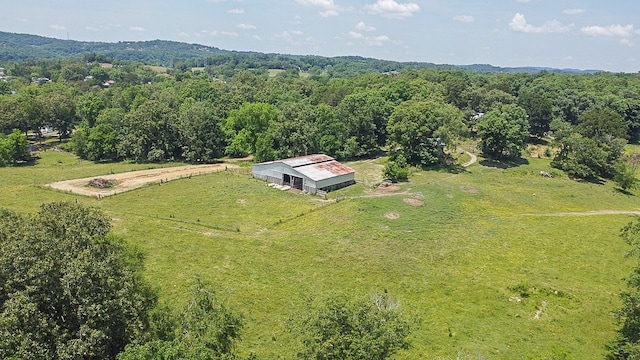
{"points": [[22, 47]]}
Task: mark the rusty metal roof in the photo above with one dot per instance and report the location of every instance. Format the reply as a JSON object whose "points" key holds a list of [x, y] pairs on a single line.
{"points": [[324, 170], [306, 160]]}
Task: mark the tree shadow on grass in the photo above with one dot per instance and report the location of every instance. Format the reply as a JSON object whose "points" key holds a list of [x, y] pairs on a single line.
{"points": [[535, 140], [624, 192], [505, 163], [589, 180]]}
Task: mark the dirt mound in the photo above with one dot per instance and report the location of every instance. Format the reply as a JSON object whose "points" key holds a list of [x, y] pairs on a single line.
{"points": [[387, 186], [392, 215], [413, 202]]}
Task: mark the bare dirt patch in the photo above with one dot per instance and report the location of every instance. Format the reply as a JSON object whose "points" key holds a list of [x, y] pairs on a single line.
{"points": [[135, 179], [386, 186], [413, 202], [392, 215], [469, 189]]}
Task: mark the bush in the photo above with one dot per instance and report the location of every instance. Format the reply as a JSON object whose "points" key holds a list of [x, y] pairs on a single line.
{"points": [[340, 328], [397, 169]]}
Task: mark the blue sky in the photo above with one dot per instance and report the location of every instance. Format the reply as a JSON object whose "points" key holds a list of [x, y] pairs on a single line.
{"points": [[583, 34]]}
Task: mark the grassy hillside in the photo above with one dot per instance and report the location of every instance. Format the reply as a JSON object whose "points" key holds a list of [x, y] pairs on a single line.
{"points": [[491, 262]]}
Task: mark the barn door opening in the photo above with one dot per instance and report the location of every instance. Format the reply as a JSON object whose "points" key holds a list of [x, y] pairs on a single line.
{"points": [[297, 182], [286, 179]]}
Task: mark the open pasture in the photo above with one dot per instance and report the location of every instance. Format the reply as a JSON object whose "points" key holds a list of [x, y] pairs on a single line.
{"points": [[486, 262]]}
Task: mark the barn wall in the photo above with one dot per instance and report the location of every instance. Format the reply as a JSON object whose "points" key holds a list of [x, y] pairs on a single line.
{"points": [[336, 182], [273, 172]]}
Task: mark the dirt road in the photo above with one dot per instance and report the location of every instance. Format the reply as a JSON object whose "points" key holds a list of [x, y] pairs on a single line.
{"points": [[135, 179]]}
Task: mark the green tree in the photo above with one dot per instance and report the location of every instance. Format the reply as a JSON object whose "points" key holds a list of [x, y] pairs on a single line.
{"points": [[625, 175], [539, 110], [626, 346], [421, 130], [503, 132], [338, 328], [14, 148], [591, 148], [206, 329], [200, 131], [60, 110], [599, 124], [246, 124], [68, 288], [149, 133], [396, 169], [88, 107], [365, 115]]}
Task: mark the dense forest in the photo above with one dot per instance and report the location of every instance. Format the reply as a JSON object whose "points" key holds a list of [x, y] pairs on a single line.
{"points": [[108, 110], [129, 111]]}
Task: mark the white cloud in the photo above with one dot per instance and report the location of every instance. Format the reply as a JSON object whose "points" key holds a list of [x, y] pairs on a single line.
{"points": [[519, 23], [378, 40], [236, 11], [364, 27], [329, 8], [464, 18], [329, 13], [57, 27], [137, 29], [257, 37], [611, 30], [230, 33], [92, 28], [626, 42], [392, 9], [208, 32], [574, 11], [355, 35], [246, 26]]}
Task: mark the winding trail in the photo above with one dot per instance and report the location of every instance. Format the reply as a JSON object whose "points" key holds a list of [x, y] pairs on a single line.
{"points": [[470, 162]]}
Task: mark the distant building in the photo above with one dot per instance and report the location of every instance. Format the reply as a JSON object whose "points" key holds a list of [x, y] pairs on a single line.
{"points": [[309, 173]]}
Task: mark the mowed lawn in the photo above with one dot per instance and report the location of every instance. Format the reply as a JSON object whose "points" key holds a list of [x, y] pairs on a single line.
{"points": [[494, 262]]}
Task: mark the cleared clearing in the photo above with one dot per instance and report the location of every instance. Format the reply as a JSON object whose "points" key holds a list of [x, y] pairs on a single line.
{"points": [[135, 179]]}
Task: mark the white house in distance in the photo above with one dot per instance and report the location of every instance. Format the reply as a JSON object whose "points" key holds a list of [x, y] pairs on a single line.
{"points": [[310, 173]]}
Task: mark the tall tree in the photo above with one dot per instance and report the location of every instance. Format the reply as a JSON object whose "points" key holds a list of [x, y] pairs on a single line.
{"points": [[365, 115], [245, 125], [538, 107], [421, 130], [68, 288], [200, 131], [503, 132]]}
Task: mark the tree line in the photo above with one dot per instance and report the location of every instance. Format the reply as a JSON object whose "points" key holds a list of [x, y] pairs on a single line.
{"points": [[126, 111]]}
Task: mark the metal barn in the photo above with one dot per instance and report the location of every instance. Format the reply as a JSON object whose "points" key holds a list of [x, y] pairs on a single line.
{"points": [[310, 173]]}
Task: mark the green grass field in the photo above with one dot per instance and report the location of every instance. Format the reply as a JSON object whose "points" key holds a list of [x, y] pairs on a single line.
{"points": [[487, 250]]}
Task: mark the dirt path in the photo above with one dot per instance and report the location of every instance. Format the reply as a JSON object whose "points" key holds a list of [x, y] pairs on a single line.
{"points": [[472, 161], [135, 179], [588, 213]]}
